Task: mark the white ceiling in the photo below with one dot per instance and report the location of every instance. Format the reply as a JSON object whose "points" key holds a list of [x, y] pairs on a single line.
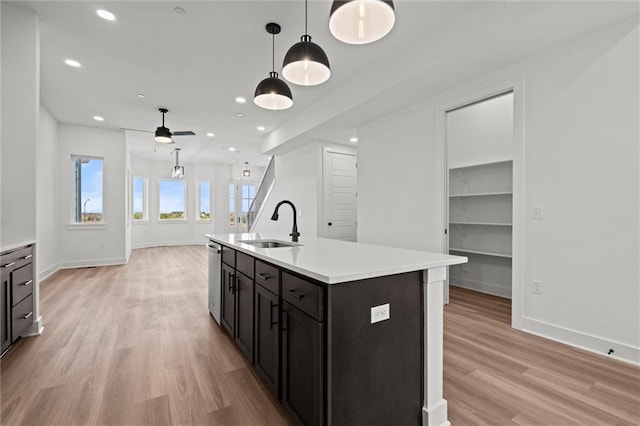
{"points": [[196, 64]]}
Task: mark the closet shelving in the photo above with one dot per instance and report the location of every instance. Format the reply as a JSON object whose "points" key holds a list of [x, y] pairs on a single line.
{"points": [[480, 226]]}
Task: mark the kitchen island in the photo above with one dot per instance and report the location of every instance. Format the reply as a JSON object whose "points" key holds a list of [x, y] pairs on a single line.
{"points": [[341, 333]]}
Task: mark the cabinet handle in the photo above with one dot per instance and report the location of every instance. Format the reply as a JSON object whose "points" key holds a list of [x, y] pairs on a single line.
{"points": [[9, 264], [264, 277], [29, 256], [27, 283], [271, 323], [232, 278], [284, 317], [297, 296], [28, 315], [234, 287]]}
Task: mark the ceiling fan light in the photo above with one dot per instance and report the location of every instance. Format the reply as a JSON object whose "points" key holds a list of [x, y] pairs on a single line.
{"points": [[361, 21], [163, 135], [273, 93], [306, 64]]}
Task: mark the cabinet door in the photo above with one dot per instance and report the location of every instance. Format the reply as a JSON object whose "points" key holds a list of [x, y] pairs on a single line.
{"points": [[228, 299], [266, 338], [302, 366], [5, 312], [244, 314]]}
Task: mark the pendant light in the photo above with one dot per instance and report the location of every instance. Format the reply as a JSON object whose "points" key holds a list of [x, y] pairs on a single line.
{"points": [[246, 172], [361, 21], [306, 63], [178, 170], [273, 93]]}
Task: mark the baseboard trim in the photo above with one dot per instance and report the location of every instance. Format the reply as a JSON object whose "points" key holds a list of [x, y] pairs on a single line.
{"points": [[169, 244], [479, 286], [92, 262], [36, 328], [48, 272], [587, 342]]}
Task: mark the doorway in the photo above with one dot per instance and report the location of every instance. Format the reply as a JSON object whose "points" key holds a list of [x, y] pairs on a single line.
{"points": [[241, 195], [482, 173]]}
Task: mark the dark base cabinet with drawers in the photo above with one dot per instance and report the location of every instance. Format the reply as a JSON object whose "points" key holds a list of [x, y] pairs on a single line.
{"points": [[315, 348], [16, 295]]}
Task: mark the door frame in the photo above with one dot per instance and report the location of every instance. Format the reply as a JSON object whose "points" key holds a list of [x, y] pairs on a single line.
{"points": [[323, 216], [238, 200], [515, 85]]}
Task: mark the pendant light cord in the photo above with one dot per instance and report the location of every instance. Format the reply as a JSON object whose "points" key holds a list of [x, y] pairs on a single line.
{"points": [[273, 52], [306, 32]]}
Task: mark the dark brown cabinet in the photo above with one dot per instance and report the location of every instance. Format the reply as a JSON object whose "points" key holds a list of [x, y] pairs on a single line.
{"points": [[303, 369], [266, 345], [228, 298], [16, 295], [244, 314]]}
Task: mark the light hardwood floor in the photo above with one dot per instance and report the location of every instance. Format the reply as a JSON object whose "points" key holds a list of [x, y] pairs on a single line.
{"points": [[134, 345]]}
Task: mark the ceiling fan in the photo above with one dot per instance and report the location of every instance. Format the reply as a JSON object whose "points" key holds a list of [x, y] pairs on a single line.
{"points": [[162, 133]]}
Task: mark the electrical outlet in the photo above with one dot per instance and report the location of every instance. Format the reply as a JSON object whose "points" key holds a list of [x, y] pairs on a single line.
{"points": [[537, 287], [380, 313], [537, 213]]}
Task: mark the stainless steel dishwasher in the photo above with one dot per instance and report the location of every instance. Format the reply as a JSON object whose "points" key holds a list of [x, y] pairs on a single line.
{"points": [[215, 275]]}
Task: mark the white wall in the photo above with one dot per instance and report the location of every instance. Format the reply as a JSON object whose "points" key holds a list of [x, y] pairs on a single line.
{"points": [[480, 133], [299, 180], [47, 228], [84, 244], [154, 232], [580, 164], [20, 107]]}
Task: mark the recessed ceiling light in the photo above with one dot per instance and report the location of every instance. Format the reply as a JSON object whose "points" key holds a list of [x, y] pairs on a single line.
{"points": [[105, 14], [232, 149], [141, 95], [240, 100], [261, 128], [210, 134], [240, 114], [98, 118], [354, 139], [179, 11], [72, 63]]}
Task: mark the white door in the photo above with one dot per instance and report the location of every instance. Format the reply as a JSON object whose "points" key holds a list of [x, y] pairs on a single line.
{"points": [[241, 196], [340, 196]]}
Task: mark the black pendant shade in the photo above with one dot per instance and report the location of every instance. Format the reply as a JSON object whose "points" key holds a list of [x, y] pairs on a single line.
{"points": [[306, 63], [163, 135], [273, 93], [361, 21]]}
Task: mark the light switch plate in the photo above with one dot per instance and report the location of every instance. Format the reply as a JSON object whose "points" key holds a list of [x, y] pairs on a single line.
{"points": [[380, 313], [537, 213]]}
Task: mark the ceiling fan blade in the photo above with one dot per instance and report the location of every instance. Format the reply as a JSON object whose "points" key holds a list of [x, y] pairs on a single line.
{"points": [[136, 130], [183, 133]]}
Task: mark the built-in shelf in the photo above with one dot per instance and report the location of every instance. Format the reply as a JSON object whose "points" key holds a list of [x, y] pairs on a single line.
{"points": [[480, 194], [484, 253], [481, 226], [481, 223]]}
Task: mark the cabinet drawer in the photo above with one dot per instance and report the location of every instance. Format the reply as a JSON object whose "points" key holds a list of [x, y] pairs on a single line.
{"points": [[17, 258], [229, 256], [307, 297], [267, 276], [22, 283], [244, 264], [22, 316]]}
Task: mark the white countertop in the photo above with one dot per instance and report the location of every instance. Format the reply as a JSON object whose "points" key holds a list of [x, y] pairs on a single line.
{"points": [[334, 261], [10, 247]]}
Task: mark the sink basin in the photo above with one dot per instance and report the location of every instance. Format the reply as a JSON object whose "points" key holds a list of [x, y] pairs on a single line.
{"points": [[269, 243]]}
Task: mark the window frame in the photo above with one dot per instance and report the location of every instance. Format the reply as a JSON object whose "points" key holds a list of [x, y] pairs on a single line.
{"points": [[73, 223], [199, 200], [145, 199], [185, 198]]}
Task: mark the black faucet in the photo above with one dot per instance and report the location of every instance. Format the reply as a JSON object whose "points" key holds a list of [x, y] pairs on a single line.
{"points": [[294, 232]]}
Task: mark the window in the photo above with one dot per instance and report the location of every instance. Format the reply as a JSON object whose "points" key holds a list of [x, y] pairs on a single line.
{"points": [[87, 207], [232, 204], [172, 200], [139, 198], [204, 200]]}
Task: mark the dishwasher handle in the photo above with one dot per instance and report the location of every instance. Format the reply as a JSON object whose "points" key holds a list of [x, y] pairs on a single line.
{"points": [[216, 249]]}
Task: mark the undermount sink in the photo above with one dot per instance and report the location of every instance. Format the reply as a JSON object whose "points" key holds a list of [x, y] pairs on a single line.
{"points": [[269, 243]]}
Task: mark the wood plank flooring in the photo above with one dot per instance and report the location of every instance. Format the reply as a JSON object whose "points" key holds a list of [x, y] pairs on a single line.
{"points": [[135, 345]]}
